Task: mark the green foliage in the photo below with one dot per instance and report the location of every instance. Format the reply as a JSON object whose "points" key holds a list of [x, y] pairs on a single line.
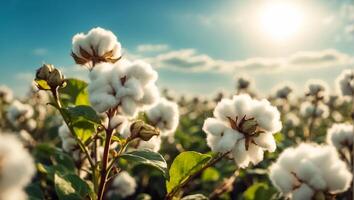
{"points": [[210, 174], [184, 165], [147, 157], [259, 191], [75, 93], [71, 187], [81, 113]]}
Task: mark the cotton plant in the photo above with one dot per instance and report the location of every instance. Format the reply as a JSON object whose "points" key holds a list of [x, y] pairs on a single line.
{"points": [[17, 168], [102, 123], [244, 127], [310, 171]]}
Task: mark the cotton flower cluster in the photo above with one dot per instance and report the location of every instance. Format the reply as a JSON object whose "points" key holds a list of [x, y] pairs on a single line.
{"points": [[317, 88], [165, 116], [6, 94], [123, 185], [245, 127], [16, 168], [301, 172], [307, 109], [128, 84], [340, 135], [345, 82], [98, 45], [19, 114]]}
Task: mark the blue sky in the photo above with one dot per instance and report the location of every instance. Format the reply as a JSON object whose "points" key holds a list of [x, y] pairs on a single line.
{"points": [[197, 46]]}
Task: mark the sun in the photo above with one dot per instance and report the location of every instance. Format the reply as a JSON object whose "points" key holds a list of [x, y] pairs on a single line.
{"points": [[281, 20]]}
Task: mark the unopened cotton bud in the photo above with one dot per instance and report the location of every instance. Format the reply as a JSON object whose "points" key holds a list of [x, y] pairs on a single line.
{"points": [[44, 71], [140, 129], [55, 78]]}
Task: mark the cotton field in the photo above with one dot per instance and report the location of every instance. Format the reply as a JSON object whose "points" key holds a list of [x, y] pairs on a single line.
{"points": [[115, 131]]}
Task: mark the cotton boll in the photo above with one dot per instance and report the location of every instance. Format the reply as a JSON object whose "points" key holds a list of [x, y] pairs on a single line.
{"points": [[124, 184], [97, 42], [282, 179], [18, 113], [242, 105], [255, 153], [17, 165], [117, 122], [345, 82], [214, 126], [340, 135], [238, 118], [266, 141], [165, 116], [240, 155], [213, 141], [228, 141], [6, 94], [313, 167], [317, 87], [310, 173], [282, 91], [151, 96], [129, 107], [224, 109], [153, 144], [69, 143], [304, 192], [142, 71], [267, 116]]}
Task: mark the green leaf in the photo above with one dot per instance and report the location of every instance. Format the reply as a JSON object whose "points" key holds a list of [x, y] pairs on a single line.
{"points": [[79, 113], [147, 157], [84, 130], [42, 84], [210, 174], [259, 191], [71, 187], [75, 93], [184, 165]]}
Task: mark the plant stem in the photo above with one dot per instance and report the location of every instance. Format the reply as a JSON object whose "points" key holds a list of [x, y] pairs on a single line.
{"points": [[224, 186], [312, 120], [55, 93], [211, 162]]}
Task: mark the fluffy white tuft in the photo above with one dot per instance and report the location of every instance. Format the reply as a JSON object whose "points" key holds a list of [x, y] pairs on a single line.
{"points": [[312, 167], [165, 116], [222, 137], [17, 167], [6, 94], [345, 82], [124, 185], [340, 135], [99, 40]]}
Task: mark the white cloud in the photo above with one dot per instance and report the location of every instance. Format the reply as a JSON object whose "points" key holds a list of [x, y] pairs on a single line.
{"points": [[147, 48], [192, 61], [40, 51]]}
